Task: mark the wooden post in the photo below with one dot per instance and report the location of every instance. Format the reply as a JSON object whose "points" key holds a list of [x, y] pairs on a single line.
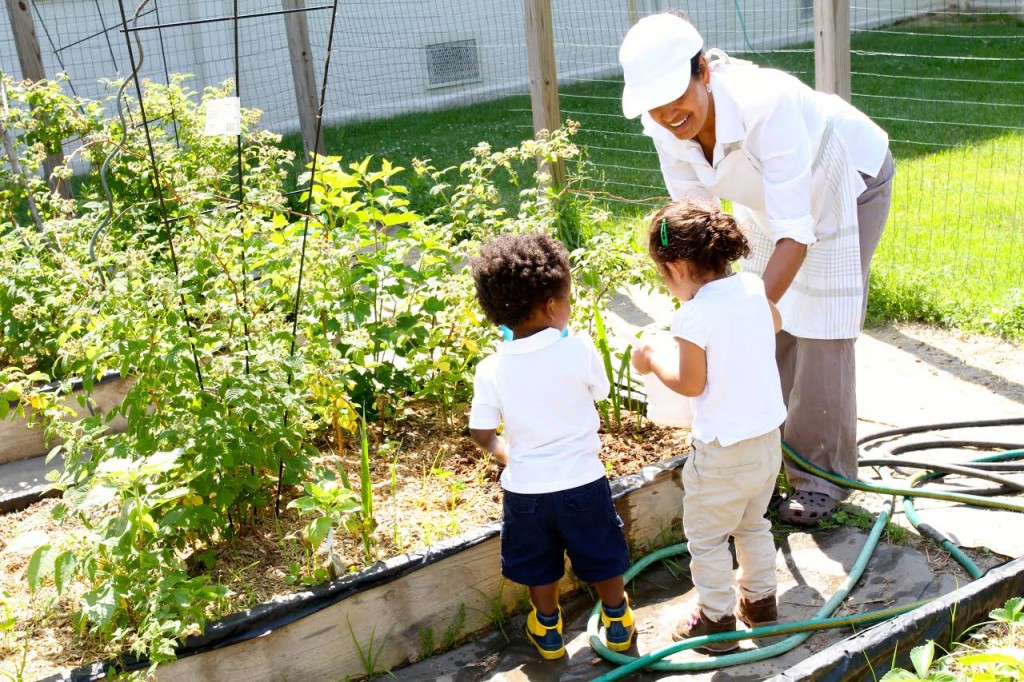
{"points": [[303, 75], [540, 52], [832, 47], [31, 60]]}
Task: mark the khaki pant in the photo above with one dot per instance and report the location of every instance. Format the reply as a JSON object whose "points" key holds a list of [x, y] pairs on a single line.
{"points": [[818, 375], [726, 492]]}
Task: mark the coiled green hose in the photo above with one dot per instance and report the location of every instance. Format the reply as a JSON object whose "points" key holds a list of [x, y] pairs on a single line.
{"points": [[801, 630]]}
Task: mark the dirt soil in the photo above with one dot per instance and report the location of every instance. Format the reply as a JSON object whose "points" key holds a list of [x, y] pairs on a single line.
{"points": [[435, 485]]}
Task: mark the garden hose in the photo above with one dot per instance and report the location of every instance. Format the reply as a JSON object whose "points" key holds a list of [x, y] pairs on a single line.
{"points": [[935, 534], [823, 619]]}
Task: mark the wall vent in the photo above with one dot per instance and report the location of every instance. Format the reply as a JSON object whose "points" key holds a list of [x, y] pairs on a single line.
{"points": [[452, 63]]}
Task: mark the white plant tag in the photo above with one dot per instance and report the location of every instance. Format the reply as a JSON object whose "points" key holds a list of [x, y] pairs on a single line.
{"points": [[223, 116]]}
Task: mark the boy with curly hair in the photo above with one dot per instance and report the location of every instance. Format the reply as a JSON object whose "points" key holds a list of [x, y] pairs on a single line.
{"points": [[541, 385]]}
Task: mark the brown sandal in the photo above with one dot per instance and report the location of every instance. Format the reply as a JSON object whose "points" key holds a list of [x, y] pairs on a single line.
{"points": [[804, 508]]}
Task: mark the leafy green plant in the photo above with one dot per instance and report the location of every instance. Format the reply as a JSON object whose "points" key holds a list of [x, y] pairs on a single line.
{"points": [[250, 334], [141, 596], [428, 642], [922, 658], [993, 663], [1011, 613], [495, 611], [330, 503]]}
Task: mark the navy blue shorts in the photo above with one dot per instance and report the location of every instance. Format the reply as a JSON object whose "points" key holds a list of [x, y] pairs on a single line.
{"points": [[538, 530]]}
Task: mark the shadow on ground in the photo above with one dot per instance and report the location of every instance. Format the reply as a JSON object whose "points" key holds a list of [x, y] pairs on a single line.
{"points": [[811, 568]]}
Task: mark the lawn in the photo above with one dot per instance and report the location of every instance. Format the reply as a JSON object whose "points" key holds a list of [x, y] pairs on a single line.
{"points": [[954, 112]]}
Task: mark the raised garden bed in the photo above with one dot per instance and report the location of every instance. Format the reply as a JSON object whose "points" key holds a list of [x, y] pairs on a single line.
{"points": [[18, 441]]}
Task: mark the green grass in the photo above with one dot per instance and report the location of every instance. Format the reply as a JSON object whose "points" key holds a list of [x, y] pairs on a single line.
{"points": [[954, 244]]}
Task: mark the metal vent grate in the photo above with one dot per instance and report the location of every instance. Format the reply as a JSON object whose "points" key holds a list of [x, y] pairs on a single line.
{"points": [[452, 63]]}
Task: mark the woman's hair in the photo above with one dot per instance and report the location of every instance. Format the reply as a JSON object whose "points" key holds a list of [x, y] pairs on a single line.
{"points": [[695, 59], [698, 232], [514, 273]]}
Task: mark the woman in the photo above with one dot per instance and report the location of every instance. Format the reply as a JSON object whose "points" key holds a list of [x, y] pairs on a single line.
{"points": [[810, 177]]}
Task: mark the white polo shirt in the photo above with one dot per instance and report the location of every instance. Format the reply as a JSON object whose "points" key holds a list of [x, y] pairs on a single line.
{"points": [[731, 320], [778, 122], [790, 159], [543, 388]]}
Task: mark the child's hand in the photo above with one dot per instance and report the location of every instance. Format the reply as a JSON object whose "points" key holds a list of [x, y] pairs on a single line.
{"points": [[641, 358]]}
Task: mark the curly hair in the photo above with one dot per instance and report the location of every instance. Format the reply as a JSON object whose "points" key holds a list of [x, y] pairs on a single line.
{"points": [[514, 273], [698, 232]]}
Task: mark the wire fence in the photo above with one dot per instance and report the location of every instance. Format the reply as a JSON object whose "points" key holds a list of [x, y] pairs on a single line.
{"points": [[942, 78]]}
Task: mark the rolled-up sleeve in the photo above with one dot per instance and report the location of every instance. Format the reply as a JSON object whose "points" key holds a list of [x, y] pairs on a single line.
{"points": [[779, 139]]}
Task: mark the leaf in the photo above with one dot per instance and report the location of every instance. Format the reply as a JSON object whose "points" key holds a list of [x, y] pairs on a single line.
{"points": [[1011, 612], [40, 566], [317, 530], [899, 674], [991, 657], [99, 496], [942, 676], [921, 657], [100, 605], [64, 570]]}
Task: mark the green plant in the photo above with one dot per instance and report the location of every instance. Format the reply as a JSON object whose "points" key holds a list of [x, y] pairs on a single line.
{"points": [[454, 629], [922, 658], [140, 595], [8, 625], [1000, 660], [495, 612], [186, 280], [369, 656], [856, 517], [428, 641], [1011, 613]]}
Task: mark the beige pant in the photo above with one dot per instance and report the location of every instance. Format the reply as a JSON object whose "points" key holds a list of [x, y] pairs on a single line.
{"points": [[726, 492], [818, 375]]}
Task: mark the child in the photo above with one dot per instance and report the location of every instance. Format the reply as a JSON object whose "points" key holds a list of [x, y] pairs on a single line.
{"points": [[542, 384], [725, 330]]}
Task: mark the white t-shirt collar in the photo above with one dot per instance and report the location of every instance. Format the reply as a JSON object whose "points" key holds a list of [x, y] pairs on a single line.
{"points": [[532, 343]]}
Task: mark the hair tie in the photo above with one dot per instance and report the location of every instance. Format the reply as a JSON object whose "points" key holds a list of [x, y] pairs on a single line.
{"points": [[664, 232]]}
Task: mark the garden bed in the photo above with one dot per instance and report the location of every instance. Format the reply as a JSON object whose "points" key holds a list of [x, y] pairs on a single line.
{"points": [[18, 441], [437, 580]]}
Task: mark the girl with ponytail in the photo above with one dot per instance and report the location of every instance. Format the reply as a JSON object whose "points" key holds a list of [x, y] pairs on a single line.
{"points": [[725, 332]]}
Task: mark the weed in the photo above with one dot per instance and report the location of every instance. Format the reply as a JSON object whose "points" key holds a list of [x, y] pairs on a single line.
{"points": [[369, 657], [428, 642], [495, 612], [451, 634]]}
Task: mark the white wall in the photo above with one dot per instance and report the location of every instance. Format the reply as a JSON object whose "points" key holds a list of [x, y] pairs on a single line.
{"points": [[378, 67]]}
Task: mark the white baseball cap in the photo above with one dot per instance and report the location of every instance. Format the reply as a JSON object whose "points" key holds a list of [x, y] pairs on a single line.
{"points": [[655, 57]]}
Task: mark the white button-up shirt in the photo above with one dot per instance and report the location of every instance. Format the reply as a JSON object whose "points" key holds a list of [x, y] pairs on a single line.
{"points": [[789, 158]]}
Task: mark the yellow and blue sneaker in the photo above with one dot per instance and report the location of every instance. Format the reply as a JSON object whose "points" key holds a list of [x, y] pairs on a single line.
{"points": [[618, 625], [545, 633]]}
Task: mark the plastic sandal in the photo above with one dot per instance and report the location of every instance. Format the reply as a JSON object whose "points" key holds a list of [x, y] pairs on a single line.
{"points": [[804, 508]]}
